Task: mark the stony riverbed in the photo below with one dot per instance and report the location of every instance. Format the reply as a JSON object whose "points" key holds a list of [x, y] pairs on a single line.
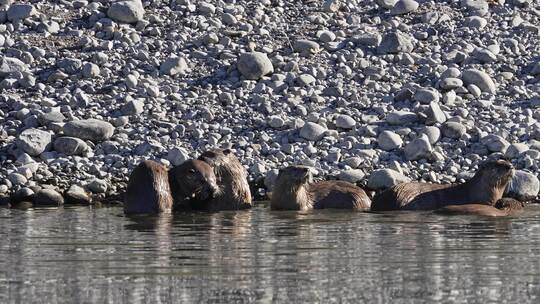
{"points": [[374, 92]]}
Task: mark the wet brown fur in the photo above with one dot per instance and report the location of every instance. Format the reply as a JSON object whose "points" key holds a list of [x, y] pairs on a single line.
{"points": [[148, 189], [231, 177], [294, 190], [192, 183], [487, 187], [503, 207]]}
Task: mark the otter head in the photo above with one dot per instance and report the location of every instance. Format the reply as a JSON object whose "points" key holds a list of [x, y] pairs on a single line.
{"points": [[509, 204], [295, 175], [290, 191], [492, 178], [193, 179], [217, 157]]}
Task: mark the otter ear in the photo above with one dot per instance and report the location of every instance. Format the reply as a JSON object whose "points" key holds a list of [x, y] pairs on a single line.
{"points": [[227, 151]]}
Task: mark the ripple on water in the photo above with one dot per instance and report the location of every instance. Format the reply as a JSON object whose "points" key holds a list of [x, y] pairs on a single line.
{"points": [[99, 255]]}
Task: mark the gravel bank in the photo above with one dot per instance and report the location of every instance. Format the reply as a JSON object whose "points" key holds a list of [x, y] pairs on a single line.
{"points": [[369, 91]]}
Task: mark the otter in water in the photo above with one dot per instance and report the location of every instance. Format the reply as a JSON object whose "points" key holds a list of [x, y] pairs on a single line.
{"points": [[231, 177], [295, 190], [193, 182], [148, 189], [503, 207], [487, 187]]}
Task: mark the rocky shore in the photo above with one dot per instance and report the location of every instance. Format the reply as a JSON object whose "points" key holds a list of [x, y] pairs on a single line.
{"points": [[373, 92]]}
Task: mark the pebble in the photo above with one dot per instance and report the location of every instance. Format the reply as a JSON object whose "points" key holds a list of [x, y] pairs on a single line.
{"points": [[386, 4], [97, 186], [451, 83], [10, 65], [254, 65], [453, 129], [403, 7], [70, 145], [177, 156], [345, 121], [33, 141], [17, 179], [426, 95], [306, 47], [20, 11], [435, 114], [401, 118], [312, 131], [394, 43], [352, 175], [495, 143], [418, 148], [479, 79], [130, 11], [389, 140], [91, 129], [524, 186], [48, 197], [385, 178], [433, 134], [173, 65], [77, 195]]}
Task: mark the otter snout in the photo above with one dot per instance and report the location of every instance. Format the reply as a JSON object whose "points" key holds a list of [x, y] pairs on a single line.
{"points": [[209, 191]]}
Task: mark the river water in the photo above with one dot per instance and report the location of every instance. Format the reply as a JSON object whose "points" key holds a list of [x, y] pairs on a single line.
{"points": [[98, 255]]}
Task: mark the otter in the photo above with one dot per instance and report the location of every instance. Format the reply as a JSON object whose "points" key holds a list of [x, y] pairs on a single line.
{"points": [[295, 190], [503, 207], [487, 187], [148, 189], [231, 177], [193, 182]]}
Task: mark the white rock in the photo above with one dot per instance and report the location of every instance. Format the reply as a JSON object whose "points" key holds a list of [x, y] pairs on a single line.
{"points": [[515, 150], [401, 118], [177, 156], [97, 186], [345, 121], [91, 129], [523, 186], [386, 4], [418, 148], [173, 65], [254, 65], [404, 7], [479, 79], [495, 143], [426, 95], [351, 176], [385, 178], [129, 11], [395, 42], [453, 129], [312, 131], [70, 145], [435, 114], [389, 140], [33, 141]]}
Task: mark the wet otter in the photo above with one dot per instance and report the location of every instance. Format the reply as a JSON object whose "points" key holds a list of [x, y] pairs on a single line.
{"points": [[295, 190], [193, 182], [487, 186], [503, 207], [148, 189], [231, 177]]}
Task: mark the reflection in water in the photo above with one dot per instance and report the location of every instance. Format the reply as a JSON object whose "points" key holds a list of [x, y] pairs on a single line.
{"points": [[82, 255]]}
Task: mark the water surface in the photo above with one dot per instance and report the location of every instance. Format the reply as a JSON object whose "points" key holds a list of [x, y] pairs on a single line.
{"points": [[85, 255]]}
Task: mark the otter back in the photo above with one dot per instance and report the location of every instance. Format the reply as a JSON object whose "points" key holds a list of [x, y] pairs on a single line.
{"points": [[231, 177], [148, 189]]}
